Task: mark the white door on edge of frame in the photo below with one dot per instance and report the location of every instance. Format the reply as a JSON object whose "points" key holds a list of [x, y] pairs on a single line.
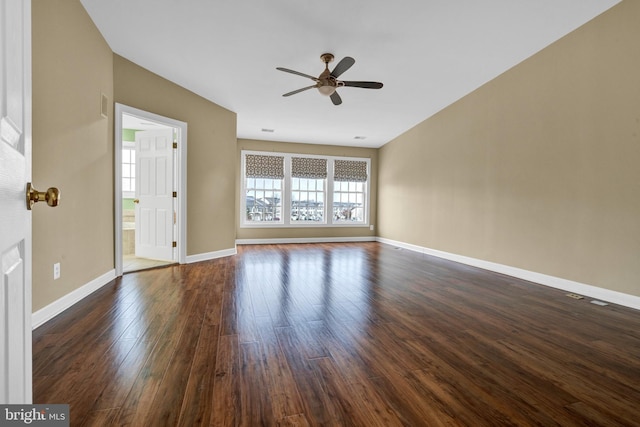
{"points": [[154, 194], [15, 219]]}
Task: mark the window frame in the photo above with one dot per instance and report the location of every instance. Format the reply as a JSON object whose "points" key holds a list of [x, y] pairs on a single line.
{"points": [[316, 191], [348, 192], [286, 202], [129, 145], [244, 208]]}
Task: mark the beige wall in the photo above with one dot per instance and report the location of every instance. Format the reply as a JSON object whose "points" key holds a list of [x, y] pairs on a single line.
{"points": [[539, 169], [72, 149], [211, 148], [308, 232]]}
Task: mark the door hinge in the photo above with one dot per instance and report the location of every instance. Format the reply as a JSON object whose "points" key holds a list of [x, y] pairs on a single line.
{"points": [[175, 194], [175, 144], [174, 245]]}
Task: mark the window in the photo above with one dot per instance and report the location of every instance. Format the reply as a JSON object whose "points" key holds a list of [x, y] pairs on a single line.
{"points": [[308, 176], [264, 199], [263, 189], [348, 201], [307, 200], [128, 170], [295, 190], [350, 177]]}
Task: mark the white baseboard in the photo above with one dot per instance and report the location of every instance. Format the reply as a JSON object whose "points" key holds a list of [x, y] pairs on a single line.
{"points": [[50, 311], [211, 255], [615, 297], [286, 240]]}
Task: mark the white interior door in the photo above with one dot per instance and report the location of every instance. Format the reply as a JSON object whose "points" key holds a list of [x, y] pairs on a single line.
{"points": [[154, 194], [15, 219]]}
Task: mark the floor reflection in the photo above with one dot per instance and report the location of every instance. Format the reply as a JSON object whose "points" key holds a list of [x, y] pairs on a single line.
{"points": [[302, 284], [132, 263]]}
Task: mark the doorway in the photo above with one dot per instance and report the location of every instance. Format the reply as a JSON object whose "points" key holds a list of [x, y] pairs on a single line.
{"points": [[150, 190]]}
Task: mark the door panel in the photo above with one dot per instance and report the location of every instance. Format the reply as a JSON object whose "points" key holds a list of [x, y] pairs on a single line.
{"points": [[154, 190], [15, 219], [13, 325]]}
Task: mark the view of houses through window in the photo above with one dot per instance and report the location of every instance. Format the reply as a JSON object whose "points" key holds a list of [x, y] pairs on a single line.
{"points": [[348, 201], [283, 189], [264, 200], [307, 199]]}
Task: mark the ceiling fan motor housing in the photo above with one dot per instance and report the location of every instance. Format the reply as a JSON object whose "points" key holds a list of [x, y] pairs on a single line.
{"points": [[327, 83]]}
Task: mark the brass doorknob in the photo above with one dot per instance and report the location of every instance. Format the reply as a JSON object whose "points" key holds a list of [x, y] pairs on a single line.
{"points": [[136, 200], [51, 196]]}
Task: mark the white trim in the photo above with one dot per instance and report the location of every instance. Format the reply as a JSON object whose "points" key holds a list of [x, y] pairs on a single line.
{"points": [[58, 306], [181, 163], [414, 248], [117, 191], [211, 255], [286, 240], [303, 225], [615, 297]]}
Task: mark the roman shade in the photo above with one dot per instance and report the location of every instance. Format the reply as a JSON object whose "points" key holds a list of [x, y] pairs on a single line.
{"points": [[350, 170], [306, 167], [260, 166]]}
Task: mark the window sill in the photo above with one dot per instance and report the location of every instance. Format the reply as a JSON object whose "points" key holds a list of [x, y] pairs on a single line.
{"points": [[338, 225]]}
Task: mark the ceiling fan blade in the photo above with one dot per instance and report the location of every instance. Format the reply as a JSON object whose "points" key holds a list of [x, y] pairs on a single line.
{"points": [[343, 66], [299, 90], [335, 98], [286, 70], [366, 85]]}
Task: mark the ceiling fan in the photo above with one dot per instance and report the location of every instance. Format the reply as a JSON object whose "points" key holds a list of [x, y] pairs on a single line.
{"points": [[327, 82]]}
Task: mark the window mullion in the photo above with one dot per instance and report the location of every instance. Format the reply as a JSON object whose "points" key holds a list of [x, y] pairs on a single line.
{"points": [[329, 205], [286, 193]]}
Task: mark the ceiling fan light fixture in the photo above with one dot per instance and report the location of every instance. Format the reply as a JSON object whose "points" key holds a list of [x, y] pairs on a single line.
{"points": [[327, 90]]}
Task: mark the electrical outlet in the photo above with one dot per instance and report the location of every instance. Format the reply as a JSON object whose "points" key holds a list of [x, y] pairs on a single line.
{"points": [[56, 271], [371, 227]]}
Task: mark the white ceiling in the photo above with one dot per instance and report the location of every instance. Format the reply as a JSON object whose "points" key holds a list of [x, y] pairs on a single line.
{"points": [[428, 54]]}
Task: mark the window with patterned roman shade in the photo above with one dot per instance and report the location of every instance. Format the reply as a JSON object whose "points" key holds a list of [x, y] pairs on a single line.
{"points": [[299, 190], [306, 167], [259, 166], [350, 170]]}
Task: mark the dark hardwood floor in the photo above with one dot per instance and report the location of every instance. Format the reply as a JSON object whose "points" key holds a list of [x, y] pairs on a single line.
{"points": [[338, 334]]}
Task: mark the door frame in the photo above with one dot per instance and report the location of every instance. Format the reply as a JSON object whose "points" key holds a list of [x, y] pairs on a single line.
{"points": [[181, 180]]}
